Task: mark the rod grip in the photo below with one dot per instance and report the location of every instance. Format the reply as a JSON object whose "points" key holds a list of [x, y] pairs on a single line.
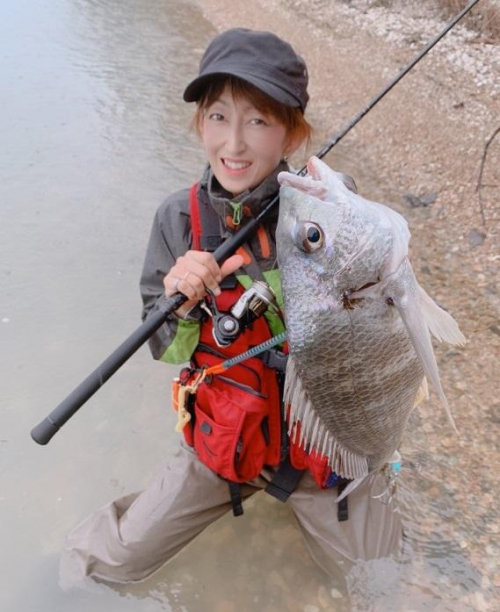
{"points": [[43, 432], [46, 429]]}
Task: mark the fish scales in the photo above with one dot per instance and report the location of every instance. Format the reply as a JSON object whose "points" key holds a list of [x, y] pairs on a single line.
{"points": [[358, 323], [350, 385]]}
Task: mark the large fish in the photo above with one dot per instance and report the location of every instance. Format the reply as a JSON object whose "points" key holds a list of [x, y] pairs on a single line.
{"points": [[359, 324]]}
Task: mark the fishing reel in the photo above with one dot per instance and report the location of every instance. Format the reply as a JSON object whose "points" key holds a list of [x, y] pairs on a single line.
{"points": [[252, 304]]}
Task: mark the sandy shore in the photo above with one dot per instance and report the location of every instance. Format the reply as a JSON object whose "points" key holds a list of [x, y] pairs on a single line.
{"points": [[421, 152]]}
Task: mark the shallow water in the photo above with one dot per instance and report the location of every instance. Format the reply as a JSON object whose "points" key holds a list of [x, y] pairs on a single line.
{"points": [[94, 135], [93, 139]]}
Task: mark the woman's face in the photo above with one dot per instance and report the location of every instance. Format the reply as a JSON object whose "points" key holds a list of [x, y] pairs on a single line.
{"points": [[243, 145]]}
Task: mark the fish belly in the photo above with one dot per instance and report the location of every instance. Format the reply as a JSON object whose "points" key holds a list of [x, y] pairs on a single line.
{"points": [[360, 374]]}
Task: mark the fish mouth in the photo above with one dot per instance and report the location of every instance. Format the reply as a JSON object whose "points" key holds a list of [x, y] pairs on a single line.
{"points": [[311, 184], [312, 171]]}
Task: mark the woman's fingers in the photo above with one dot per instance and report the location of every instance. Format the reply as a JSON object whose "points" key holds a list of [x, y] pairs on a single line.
{"points": [[207, 260], [192, 287], [197, 271], [231, 264], [203, 271]]}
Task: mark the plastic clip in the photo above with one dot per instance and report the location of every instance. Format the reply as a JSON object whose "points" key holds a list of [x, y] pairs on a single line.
{"points": [[180, 398]]}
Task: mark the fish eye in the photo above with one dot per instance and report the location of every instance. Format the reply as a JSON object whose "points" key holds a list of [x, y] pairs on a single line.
{"points": [[309, 237]]}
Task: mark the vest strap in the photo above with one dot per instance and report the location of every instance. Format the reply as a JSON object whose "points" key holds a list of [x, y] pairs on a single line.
{"points": [[205, 222], [195, 216], [342, 506], [285, 480], [235, 495], [275, 359]]}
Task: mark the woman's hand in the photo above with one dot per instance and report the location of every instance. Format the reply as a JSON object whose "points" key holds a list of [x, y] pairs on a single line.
{"points": [[196, 271]]}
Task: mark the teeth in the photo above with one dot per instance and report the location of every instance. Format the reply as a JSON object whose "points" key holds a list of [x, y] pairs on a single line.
{"points": [[236, 165]]}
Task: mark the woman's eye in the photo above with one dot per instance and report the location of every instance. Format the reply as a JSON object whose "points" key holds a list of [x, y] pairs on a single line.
{"points": [[309, 236], [216, 117], [257, 121]]}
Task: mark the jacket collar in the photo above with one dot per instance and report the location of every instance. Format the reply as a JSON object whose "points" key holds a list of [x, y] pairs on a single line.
{"points": [[254, 201]]}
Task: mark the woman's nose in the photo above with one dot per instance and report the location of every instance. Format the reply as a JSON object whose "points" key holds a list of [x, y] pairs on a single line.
{"points": [[235, 140]]}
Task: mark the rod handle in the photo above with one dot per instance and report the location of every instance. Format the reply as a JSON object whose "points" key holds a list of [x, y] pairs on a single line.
{"points": [[43, 432], [46, 429]]}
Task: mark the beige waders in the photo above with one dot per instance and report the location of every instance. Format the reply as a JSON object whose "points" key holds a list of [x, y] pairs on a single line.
{"points": [[128, 539]]}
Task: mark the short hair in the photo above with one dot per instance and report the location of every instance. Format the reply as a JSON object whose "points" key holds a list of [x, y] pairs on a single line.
{"points": [[297, 127]]}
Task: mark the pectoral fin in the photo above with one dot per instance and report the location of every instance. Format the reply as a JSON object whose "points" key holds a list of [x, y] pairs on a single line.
{"points": [[441, 324], [419, 318]]}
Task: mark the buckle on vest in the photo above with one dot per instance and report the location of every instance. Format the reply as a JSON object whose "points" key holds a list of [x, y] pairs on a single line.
{"points": [[275, 359], [284, 481], [210, 242], [229, 282]]}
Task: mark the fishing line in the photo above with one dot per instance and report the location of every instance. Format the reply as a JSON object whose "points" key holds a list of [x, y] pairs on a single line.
{"points": [[376, 99], [493, 16]]}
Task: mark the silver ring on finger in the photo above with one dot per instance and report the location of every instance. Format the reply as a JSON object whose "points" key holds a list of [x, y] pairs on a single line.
{"points": [[176, 283]]}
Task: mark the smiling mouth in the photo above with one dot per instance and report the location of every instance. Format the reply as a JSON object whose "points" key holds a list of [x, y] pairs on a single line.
{"points": [[235, 165]]}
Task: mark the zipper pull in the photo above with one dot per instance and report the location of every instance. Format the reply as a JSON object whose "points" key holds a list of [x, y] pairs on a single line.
{"points": [[237, 207]]}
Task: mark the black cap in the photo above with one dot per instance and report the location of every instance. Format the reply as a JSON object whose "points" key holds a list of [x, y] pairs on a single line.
{"points": [[257, 57]]}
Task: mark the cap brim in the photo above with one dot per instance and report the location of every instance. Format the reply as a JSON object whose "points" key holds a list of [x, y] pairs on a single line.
{"points": [[195, 89]]}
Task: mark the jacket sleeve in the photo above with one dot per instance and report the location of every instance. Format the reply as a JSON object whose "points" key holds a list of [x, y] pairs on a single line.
{"points": [[175, 341]]}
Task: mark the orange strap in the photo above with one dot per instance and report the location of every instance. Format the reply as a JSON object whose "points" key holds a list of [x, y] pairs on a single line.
{"points": [[195, 216], [247, 260], [265, 248]]}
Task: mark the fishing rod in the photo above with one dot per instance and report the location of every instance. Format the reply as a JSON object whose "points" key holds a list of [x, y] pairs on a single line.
{"points": [[46, 429]]}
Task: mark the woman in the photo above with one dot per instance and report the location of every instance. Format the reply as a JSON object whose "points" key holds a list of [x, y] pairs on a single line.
{"points": [[251, 94]]}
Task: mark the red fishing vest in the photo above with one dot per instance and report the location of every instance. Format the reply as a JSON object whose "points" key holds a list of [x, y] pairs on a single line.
{"points": [[236, 418], [236, 422]]}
